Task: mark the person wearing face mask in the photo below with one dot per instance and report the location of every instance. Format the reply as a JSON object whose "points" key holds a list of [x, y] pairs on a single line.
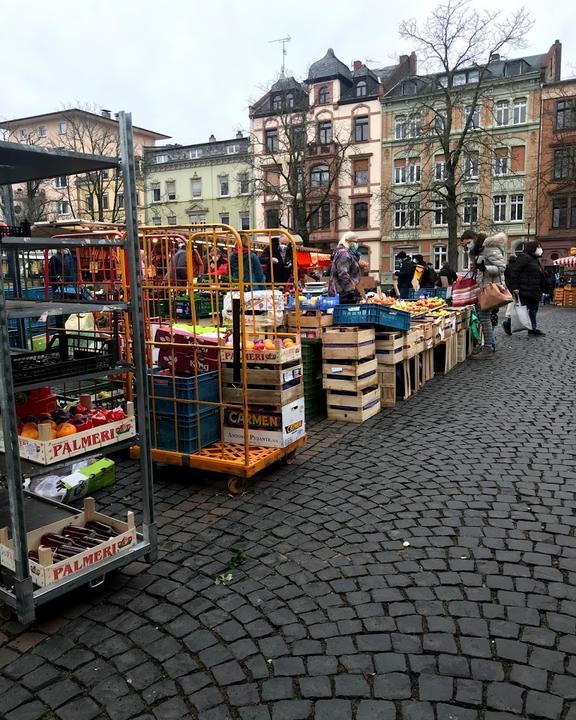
{"points": [[345, 272], [487, 259], [528, 281]]}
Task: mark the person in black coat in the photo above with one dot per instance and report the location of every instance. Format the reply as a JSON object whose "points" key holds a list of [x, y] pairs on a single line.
{"points": [[528, 281], [278, 262], [405, 274]]}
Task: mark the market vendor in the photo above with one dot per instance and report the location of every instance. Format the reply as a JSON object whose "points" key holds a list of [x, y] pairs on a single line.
{"points": [[178, 272], [345, 272], [252, 269]]}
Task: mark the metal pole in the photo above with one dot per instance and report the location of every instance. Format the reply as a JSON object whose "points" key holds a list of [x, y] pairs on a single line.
{"points": [[13, 259], [138, 342], [23, 589]]}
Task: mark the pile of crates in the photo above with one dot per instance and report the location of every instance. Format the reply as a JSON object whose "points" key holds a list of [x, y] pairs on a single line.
{"points": [[314, 393]]}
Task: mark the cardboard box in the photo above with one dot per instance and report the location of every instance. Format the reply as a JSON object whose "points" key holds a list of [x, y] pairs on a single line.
{"points": [[269, 427], [277, 356], [184, 351]]}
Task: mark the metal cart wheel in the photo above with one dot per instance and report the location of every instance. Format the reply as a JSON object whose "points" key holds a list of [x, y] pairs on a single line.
{"points": [[237, 485]]}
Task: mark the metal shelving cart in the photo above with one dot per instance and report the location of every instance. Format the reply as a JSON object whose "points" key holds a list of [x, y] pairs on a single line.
{"points": [[28, 512]]}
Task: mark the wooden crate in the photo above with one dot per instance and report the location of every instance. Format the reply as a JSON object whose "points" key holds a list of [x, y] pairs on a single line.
{"points": [[389, 347], [352, 343], [351, 375], [461, 346], [391, 389], [427, 365], [559, 296], [273, 385], [569, 298], [414, 341], [354, 407], [309, 320], [446, 353]]}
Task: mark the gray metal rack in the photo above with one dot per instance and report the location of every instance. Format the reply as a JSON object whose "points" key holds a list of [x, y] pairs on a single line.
{"points": [[21, 163]]}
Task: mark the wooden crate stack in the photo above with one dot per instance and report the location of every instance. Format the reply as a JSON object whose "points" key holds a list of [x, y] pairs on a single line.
{"points": [[350, 373], [393, 375], [312, 323]]}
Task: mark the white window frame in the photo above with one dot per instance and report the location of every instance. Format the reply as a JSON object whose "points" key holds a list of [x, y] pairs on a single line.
{"points": [[195, 196], [24, 134], [162, 158], [400, 127], [223, 180], [63, 207], [233, 149], [439, 170], [520, 105], [243, 178], [195, 153], [517, 207], [413, 125], [501, 166], [171, 190], [156, 193], [62, 127], [440, 208], [156, 220], [171, 219], [413, 172], [242, 216], [470, 210], [471, 167], [502, 114], [105, 201], [439, 255], [61, 181], [42, 131], [120, 201], [400, 216], [198, 218], [225, 218], [475, 123], [400, 174], [413, 214], [499, 211]]}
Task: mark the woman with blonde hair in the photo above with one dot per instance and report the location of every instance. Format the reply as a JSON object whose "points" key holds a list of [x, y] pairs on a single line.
{"points": [[345, 272]]}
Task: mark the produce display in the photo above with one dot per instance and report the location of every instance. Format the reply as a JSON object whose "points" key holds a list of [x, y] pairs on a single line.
{"points": [[259, 343], [68, 422], [74, 539], [418, 307]]}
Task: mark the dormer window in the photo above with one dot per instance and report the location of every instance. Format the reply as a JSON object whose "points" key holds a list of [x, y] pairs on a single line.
{"points": [[361, 88], [515, 67], [277, 103], [324, 95], [289, 101]]}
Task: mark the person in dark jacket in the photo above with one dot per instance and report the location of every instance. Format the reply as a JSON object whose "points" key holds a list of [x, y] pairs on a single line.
{"points": [[345, 272], [277, 261], [405, 274], [251, 267], [446, 272], [528, 281], [507, 273]]}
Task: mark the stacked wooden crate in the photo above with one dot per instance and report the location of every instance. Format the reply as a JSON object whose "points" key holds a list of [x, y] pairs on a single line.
{"points": [[393, 375], [350, 373], [312, 323]]}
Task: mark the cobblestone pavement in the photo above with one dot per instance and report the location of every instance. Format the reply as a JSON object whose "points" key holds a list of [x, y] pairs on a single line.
{"points": [[419, 567]]}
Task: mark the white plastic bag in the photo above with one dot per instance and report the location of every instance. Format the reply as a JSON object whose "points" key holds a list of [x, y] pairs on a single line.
{"points": [[266, 304], [518, 315]]}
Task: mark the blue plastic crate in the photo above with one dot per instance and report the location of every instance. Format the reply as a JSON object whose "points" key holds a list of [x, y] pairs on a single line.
{"points": [[184, 390], [181, 434], [323, 303], [427, 292], [371, 314]]}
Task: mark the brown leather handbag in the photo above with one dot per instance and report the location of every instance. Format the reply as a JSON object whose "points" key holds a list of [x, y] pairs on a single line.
{"points": [[494, 295]]}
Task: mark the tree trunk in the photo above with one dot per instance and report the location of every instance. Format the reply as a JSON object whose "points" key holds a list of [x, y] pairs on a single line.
{"points": [[452, 213]]}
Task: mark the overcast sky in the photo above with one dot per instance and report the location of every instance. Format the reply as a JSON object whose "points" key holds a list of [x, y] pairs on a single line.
{"points": [[188, 68]]}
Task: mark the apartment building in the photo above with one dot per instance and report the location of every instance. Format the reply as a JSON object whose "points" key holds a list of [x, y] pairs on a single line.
{"points": [[496, 180], [317, 152], [201, 183], [556, 227], [88, 197]]}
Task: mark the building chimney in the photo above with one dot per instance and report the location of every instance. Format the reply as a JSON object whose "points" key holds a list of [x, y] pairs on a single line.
{"points": [[357, 64], [212, 138], [106, 113], [239, 134]]}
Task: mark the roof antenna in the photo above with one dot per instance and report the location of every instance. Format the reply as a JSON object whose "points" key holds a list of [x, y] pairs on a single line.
{"points": [[283, 40]]}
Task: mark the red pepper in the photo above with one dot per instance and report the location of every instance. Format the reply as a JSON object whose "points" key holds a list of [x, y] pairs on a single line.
{"points": [[86, 425], [99, 418], [116, 414]]}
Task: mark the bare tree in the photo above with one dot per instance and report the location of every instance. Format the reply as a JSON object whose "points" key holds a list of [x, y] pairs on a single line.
{"points": [[455, 43], [298, 171]]}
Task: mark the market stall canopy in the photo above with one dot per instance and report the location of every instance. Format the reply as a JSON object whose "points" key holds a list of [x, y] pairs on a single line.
{"points": [[20, 163], [309, 258], [569, 261]]}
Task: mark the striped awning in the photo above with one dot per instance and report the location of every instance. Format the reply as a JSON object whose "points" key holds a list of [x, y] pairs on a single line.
{"points": [[569, 261]]}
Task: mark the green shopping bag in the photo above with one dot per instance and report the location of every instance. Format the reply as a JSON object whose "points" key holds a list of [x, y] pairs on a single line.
{"points": [[475, 325]]}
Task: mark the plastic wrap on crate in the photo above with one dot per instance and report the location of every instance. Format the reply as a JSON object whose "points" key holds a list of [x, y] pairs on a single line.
{"points": [[323, 303], [267, 303], [427, 292], [372, 314]]}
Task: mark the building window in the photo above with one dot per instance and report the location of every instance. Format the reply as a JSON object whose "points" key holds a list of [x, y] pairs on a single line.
{"points": [[516, 207], [90, 203], [62, 128], [559, 212], [564, 163], [502, 112], [61, 181], [243, 184], [161, 159], [23, 134], [472, 167], [244, 220], [439, 168], [519, 113], [196, 187], [223, 187], [197, 218], [42, 132], [277, 103], [414, 171], [225, 218], [171, 189], [361, 128], [400, 127], [517, 159], [440, 255], [105, 204], [195, 153], [156, 220], [501, 162], [399, 172], [289, 101], [272, 218], [171, 219], [360, 215], [414, 125], [475, 119], [271, 139], [399, 215], [232, 149], [499, 208], [565, 115], [360, 171], [440, 122], [156, 192], [320, 176], [324, 95], [320, 218], [325, 132], [440, 216], [413, 214], [120, 201], [63, 207], [298, 137], [470, 215], [361, 88]]}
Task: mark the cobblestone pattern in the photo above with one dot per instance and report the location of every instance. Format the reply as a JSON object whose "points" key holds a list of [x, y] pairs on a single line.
{"points": [[419, 567]]}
